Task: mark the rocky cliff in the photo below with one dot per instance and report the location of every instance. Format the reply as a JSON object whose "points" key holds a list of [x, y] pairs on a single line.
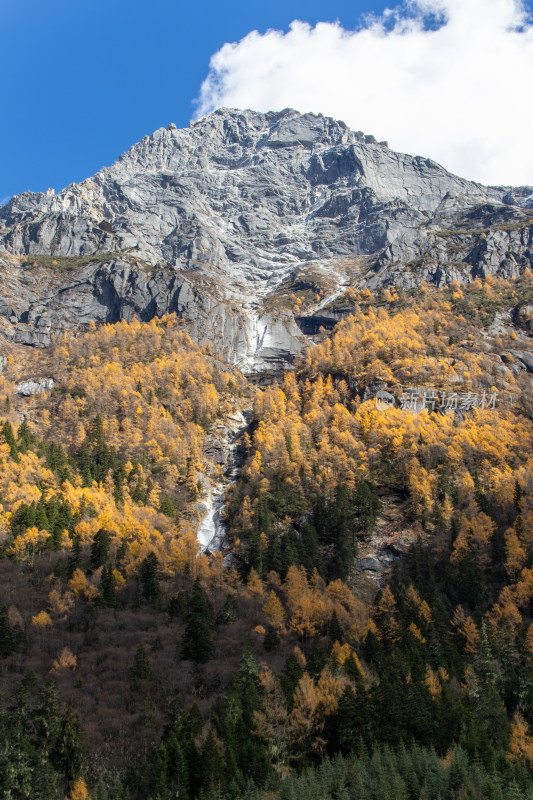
{"points": [[215, 221]]}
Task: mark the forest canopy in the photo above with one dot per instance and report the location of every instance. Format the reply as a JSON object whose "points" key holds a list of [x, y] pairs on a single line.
{"points": [[132, 664]]}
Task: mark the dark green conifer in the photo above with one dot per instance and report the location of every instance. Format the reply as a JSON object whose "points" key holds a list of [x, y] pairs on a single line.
{"points": [[254, 556], [167, 507], [74, 559], [334, 629], [68, 753], [290, 676], [273, 554], [271, 640], [149, 578], [309, 548], [157, 773], [7, 639], [9, 439], [318, 658], [108, 594], [177, 605], [290, 551], [212, 764], [99, 549], [228, 612], [25, 437], [197, 642], [141, 669]]}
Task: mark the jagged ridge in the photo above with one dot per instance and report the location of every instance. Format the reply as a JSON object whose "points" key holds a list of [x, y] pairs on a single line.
{"points": [[208, 221]]}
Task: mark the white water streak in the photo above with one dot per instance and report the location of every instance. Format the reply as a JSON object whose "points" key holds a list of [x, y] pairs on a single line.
{"points": [[211, 532]]}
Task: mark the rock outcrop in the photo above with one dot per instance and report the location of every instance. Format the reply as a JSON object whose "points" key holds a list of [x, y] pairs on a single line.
{"points": [[33, 387], [209, 221]]}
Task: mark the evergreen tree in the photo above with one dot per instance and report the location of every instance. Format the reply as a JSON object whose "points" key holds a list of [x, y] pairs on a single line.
{"points": [[177, 606], [25, 437], [197, 642], [228, 612], [254, 555], [149, 579], [141, 669], [245, 755], [334, 629], [367, 504], [9, 438], [99, 549], [74, 559], [7, 638], [167, 507], [108, 595], [484, 692], [212, 764], [69, 748], [157, 770], [309, 548], [290, 551], [271, 640], [318, 658], [290, 676], [177, 771], [273, 555]]}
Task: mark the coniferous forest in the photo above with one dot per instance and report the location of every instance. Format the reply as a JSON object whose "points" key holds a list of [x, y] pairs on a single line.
{"points": [[136, 664]]}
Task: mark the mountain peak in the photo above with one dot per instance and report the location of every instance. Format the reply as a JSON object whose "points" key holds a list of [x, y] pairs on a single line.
{"points": [[240, 203]]}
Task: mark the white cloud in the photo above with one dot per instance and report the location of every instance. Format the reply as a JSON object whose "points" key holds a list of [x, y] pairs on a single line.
{"points": [[448, 79]]}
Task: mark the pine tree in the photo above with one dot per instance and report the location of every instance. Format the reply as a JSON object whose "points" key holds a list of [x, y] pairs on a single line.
{"points": [[334, 629], [254, 556], [212, 765], [149, 579], [69, 747], [228, 612], [318, 658], [157, 772], [309, 548], [25, 437], [271, 640], [99, 549], [167, 507], [74, 559], [108, 595], [273, 555], [7, 639], [9, 438], [141, 670], [178, 775], [197, 642], [484, 692], [290, 676]]}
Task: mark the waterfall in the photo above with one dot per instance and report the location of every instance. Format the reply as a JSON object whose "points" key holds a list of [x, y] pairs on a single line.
{"points": [[211, 532]]}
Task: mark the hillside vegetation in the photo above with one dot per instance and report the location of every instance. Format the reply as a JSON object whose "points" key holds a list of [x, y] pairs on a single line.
{"points": [[134, 666]]}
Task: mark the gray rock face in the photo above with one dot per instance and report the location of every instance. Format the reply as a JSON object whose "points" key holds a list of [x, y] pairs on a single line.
{"points": [[208, 221], [30, 388], [524, 358], [459, 243]]}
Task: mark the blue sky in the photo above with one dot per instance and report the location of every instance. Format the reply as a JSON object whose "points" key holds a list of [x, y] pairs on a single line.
{"points": [[84, 81]]}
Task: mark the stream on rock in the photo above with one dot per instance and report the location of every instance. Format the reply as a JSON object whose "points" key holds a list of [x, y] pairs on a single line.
{"points": [[226, 450]]}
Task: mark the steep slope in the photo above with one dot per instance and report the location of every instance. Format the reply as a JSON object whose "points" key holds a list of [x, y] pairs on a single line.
{"points": [[211, 221], [109, 477]]}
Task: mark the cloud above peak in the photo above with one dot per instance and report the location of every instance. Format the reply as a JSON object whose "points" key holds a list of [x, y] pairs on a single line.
{"points": [[448, 79]]}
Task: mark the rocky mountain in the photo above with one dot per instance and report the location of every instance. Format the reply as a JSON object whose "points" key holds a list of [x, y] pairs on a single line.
{"points": [[225, 221]]}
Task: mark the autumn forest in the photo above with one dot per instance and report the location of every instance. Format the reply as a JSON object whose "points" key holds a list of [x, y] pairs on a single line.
{"points": [[135, 663]]}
